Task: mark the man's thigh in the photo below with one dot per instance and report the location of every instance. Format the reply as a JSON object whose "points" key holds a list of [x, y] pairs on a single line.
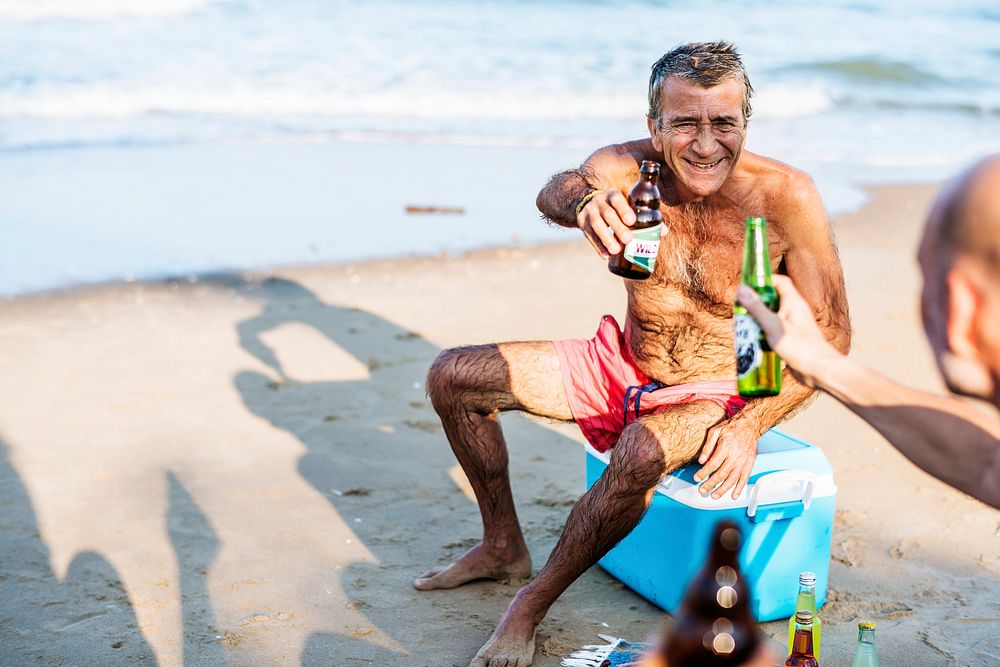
{"points": [[511, 376], [680, 430]]}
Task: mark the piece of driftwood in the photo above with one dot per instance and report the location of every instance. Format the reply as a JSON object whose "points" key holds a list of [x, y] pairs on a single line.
{"points": [[441, 210]]}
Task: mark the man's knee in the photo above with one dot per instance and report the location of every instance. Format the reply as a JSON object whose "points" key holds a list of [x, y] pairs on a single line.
{"points": [[457, 376], [639, 458]]}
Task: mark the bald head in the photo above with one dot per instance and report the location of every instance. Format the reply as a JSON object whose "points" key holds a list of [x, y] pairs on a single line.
{"points": [[965, 221], [960, 260]]}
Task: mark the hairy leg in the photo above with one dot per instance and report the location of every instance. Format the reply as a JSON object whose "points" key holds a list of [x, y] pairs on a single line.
{"points": [[646, 451], [469, 387]]}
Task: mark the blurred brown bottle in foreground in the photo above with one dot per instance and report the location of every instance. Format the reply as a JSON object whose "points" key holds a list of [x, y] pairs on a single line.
{"points": [[714, 626]]}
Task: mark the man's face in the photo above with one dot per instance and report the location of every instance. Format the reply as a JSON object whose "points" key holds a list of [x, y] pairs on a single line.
{"points": [[700, 133]]}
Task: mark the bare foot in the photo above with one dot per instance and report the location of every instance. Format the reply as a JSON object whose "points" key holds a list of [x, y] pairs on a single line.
{"points": [[478, 563], [512, 644]]}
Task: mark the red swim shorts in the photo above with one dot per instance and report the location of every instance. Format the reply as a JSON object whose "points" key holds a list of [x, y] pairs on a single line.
{"points": [[600, 377]]}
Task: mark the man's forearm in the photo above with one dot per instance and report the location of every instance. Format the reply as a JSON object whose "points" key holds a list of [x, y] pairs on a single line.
{"points": [[557, 201], [944, 436], [766, 412]]}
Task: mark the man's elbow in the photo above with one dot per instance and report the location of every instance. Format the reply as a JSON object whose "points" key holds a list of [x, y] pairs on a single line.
{"points": [[843, 338], [541, 203]]}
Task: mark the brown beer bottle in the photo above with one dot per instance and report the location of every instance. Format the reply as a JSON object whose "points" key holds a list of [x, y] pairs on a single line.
{"points": [[802, 645], [714, 626], [637, 258]]}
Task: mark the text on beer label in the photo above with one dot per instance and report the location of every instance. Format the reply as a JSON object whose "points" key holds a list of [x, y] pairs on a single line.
{"points": [[643, 247]]}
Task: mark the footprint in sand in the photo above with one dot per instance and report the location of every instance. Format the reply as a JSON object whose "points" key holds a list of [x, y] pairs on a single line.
{"points": [[967, 641]]}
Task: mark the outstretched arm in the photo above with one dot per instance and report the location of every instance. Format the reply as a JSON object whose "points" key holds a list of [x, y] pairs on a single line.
{"points": [[601, 182], [811, 259], [944, 436]]}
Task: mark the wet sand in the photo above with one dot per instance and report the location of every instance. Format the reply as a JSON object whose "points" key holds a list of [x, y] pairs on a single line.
{"points": [[244, 469]]}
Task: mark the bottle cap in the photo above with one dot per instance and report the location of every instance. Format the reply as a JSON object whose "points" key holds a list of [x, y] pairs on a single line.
{"points": [[650, 166], [756, 221], [807, 578], [866, 625], [804, 617]]}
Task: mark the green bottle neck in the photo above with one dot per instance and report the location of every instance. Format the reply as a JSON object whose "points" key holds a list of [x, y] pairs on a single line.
{"points": [[866, 636], [756, 260]]}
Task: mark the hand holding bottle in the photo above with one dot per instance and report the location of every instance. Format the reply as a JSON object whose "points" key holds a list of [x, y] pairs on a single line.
{"points": [[792, 332], [605, 220]]}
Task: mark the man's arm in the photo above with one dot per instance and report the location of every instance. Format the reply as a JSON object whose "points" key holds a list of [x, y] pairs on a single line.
{"points": [[945, 437], [811, 260], [602, 180]]}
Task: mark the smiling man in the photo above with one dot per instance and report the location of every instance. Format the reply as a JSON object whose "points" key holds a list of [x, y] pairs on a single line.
{"points": [[676, 349]]}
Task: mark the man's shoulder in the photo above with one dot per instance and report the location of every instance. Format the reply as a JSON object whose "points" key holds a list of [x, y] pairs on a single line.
{"points": [[793, 204], [778, 180], [627, 152], [617, 165]]}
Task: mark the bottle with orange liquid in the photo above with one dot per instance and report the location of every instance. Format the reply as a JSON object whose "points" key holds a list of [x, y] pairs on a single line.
{"points": [[802, 646]]}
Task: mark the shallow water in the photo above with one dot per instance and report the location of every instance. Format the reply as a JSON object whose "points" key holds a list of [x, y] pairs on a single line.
{"points": [[852, 91]]}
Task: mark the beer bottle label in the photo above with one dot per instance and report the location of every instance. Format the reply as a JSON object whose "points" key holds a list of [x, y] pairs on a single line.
{"points": [[749, 354], [642, 249]]}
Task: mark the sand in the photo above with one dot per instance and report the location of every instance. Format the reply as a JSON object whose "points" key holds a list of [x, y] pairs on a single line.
{"points": [[244, 469]]}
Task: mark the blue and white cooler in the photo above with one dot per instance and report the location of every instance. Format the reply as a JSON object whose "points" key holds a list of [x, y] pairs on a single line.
{"points": [[785, 513]]}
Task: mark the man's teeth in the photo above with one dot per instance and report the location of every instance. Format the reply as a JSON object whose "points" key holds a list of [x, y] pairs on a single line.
{"points": [[704, 165]]}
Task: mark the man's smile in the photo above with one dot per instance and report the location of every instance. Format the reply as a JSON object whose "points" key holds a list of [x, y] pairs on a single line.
{"points": [[704, 166]]}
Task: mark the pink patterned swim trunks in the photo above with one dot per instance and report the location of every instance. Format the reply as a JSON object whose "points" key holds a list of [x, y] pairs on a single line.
{"points": [[604, 385]]}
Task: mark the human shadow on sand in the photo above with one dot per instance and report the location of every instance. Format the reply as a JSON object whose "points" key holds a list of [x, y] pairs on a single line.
{"points": [[376, 451], [195, 545], [85, 618]]}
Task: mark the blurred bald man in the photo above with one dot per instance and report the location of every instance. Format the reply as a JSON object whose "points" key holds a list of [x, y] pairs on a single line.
{"points": [[960, 261]]}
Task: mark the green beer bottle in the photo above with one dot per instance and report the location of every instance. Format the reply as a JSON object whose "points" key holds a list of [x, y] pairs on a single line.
{"points": [[758, 367]]}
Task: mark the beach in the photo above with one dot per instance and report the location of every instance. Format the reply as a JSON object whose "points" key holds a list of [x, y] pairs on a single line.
{"points": [[243, 468], [236, 235]]}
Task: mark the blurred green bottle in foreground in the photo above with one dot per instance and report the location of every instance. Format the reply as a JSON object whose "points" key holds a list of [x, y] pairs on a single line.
{"points": [[758, 367], [864, 654]]}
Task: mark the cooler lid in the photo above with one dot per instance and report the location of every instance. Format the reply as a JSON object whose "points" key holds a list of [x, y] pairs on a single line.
{"points": [[786, 470]]}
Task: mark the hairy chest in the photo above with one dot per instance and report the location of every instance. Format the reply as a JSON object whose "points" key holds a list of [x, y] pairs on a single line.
{"points": [[700, 259]]}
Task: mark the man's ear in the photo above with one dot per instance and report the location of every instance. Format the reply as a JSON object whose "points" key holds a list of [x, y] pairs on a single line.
{"points": [[964, 357], [654, 134], [964, 303]]}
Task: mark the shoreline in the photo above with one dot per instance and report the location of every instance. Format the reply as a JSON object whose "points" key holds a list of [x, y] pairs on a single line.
{"points": [[80, 217], [251, 273]]}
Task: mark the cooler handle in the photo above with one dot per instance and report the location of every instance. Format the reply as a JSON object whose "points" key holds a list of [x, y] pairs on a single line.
{"points": [[764, 491]]}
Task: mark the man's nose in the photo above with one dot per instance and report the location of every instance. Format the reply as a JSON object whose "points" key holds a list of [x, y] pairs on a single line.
{"points": [[704, 141]]}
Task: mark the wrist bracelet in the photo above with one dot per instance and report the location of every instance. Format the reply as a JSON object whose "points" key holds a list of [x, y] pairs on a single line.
{"points": [[583, 202]]}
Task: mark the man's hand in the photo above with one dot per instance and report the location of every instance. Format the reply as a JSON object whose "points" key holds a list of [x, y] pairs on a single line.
{"points": [[792, 332], [605, 221], [728, 455]]}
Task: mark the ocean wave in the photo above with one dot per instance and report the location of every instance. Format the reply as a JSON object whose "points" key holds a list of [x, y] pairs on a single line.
{"points": [[111, 102], [871, 70], [41, 10], [981, 108]]}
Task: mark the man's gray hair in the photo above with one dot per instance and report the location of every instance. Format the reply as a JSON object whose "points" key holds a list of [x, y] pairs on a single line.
{"points": [[705, 64]]}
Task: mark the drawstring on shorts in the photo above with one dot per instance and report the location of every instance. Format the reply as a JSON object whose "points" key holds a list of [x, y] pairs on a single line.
{"points": [[639, 391]]}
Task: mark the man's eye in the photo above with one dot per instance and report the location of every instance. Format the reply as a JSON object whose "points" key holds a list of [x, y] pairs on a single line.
{"points": [[725, 127], [685, 127]]}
